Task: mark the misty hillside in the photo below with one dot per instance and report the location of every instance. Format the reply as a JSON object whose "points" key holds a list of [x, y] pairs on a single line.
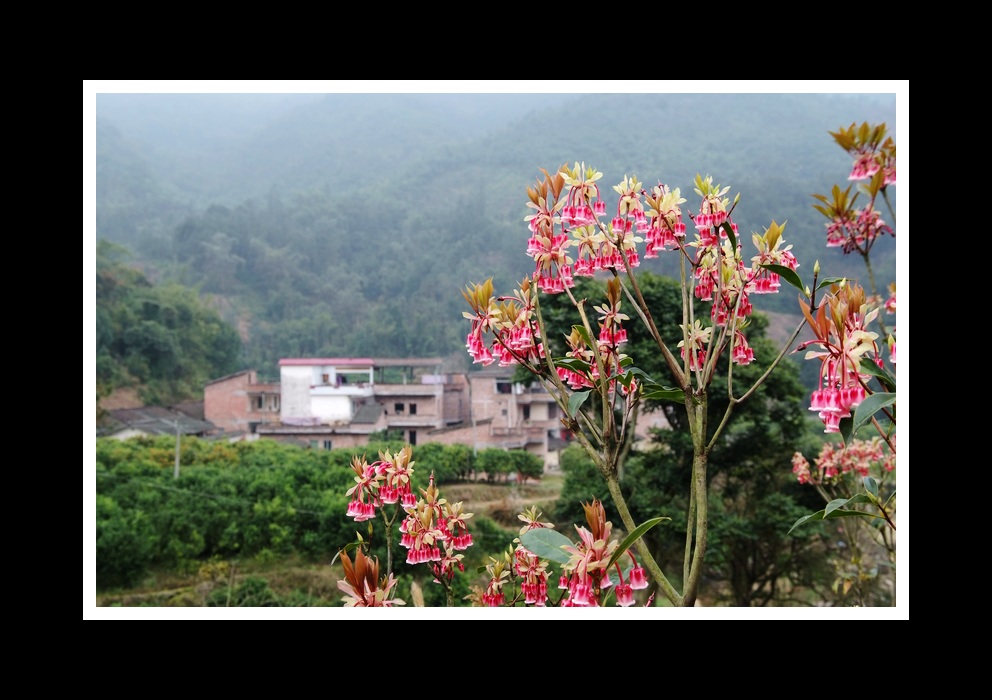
{"points": [[349, 223]]}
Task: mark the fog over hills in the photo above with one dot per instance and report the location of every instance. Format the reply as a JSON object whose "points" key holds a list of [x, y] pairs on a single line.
{"points": [[348, 223]]}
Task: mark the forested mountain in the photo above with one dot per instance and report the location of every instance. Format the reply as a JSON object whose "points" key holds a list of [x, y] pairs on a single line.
{"points": [[348, 224]]}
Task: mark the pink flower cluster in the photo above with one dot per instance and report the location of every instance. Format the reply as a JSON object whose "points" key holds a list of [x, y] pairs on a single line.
{"points": [[586, 576], [433, 531], [532, 570], [841, 329], [856, 229], [837, 460], [569, 219], [384, 481]]}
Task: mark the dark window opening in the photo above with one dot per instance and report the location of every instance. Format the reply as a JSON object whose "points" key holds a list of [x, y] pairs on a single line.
{"points": [[398, 408], [413, 438], [413, 409]]}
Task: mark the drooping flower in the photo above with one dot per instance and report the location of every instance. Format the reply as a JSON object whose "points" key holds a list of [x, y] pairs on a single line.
{"points": [[849, 228], [499, 576], [433, 530], [770, 252], [665, 229], [532, 570], [840, 325], [484, 317], [586, 569], [365, 492]]}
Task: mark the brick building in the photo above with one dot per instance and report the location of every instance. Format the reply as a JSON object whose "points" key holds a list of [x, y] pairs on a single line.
{"points": [[329, 403], [239, 403]]}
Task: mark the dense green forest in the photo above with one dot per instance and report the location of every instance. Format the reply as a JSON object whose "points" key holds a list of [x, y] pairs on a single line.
{"points": [[349, 224], [161, 338]]}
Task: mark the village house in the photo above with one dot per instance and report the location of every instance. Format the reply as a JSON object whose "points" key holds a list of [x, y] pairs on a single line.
{"points": [[329, 403], [238, 403]]}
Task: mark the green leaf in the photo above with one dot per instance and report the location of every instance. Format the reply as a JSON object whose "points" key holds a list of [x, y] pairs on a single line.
{"points": [[730, 234], [835, 514], [871, 486], [788, 274], [835, 509], [657, 392], [868, 366], [629, 540], [650, 389], [834, 505], [864, 412], [805, 519], [827, 281], [576, 400], [639, 372], [574, 364], [547, 544], [860, 498]]}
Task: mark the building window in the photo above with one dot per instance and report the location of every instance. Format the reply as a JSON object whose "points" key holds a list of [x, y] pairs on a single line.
{"points": [[526, 412], [502, 412], [327, 444], [397, 408], [413, 409], [325, 379], [258, 402], [275, 403], [413, 438], [503, 387]]}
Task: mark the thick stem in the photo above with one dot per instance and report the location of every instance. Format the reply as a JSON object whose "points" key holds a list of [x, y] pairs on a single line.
{"points": [[389, 545], [696, 408], [646, 560]]}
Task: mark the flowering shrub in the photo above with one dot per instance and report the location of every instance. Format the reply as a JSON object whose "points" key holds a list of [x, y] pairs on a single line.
{"points": [[597, 386], [856, 387]]}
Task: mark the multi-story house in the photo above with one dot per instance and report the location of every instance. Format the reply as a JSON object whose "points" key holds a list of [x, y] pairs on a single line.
{"points": [[340, 402]]}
